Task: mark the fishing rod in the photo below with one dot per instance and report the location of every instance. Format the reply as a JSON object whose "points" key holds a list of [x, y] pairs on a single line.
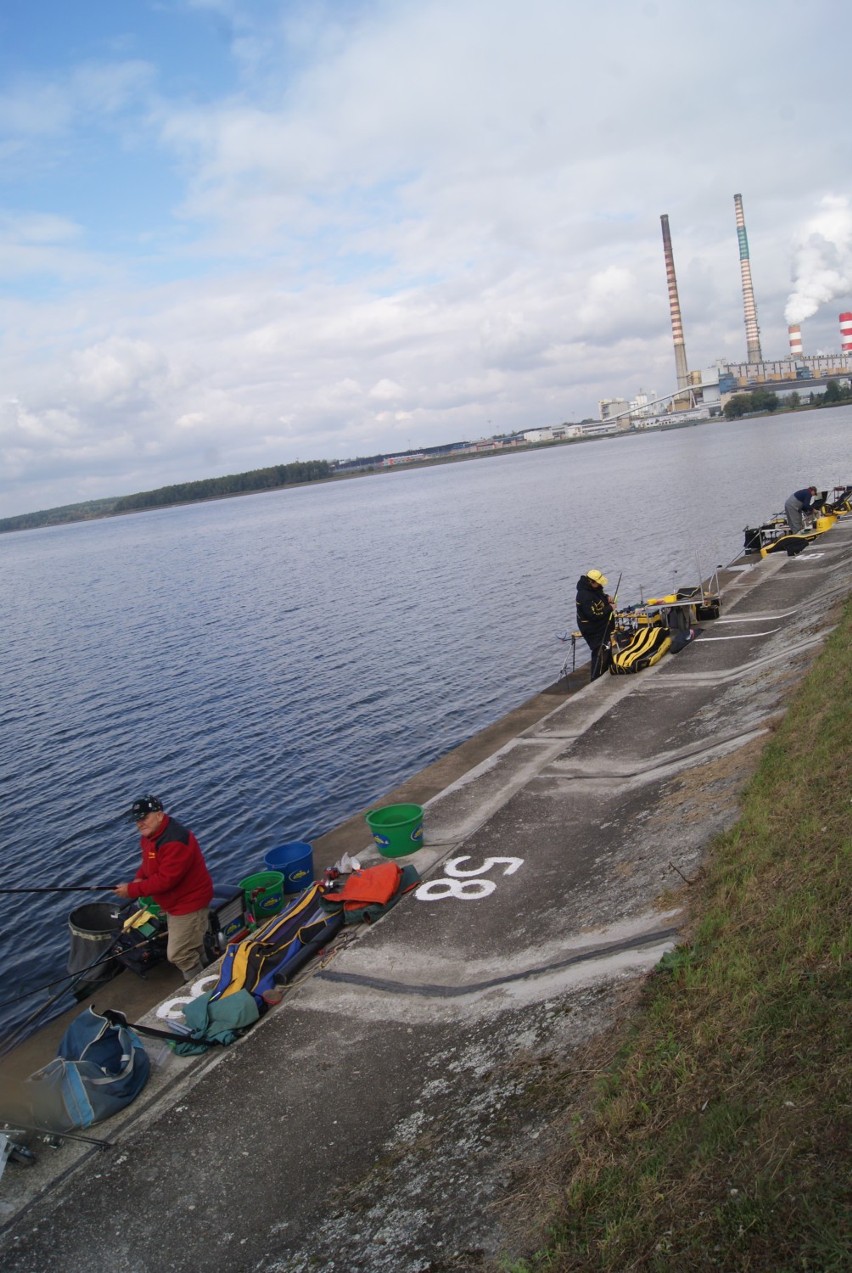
{"points": [[613, 611], [598, 655], [69, 976], [613, 605], [49, 1133], [11, 1040], [65, 888]]}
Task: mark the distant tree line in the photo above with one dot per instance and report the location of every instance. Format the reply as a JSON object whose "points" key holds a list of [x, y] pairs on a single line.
{"points": [[84, 512], [268, 479], [766, 400], [834, 392], [745, 403]]}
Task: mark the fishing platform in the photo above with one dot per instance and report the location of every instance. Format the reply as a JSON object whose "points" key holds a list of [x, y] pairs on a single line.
{"points": [[373, 1118]]}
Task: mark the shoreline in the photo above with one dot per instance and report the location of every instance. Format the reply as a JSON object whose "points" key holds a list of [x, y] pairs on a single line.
{"points": [[372, 472], [351, 836], [455, 997]]}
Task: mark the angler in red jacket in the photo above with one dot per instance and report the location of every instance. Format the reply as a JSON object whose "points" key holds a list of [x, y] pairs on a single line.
{"points": [[175, 876]]}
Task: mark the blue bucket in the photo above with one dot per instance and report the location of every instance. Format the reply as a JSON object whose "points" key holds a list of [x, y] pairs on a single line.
{"points": [[295, 861]]}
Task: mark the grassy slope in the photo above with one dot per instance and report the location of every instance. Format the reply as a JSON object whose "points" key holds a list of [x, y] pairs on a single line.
{"points": [[719, 1137]]}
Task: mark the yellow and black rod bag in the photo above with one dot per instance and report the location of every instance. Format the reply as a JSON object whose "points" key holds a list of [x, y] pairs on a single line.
{"points": [[645, 648]]}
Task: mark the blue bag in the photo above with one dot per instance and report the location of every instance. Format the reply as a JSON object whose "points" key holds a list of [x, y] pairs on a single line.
{"points": [[101, 1067]]}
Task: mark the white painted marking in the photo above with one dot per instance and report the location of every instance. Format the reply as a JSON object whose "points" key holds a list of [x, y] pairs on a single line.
{"points": [[465, 890], [755, 618], [171, 1010], [452, 867], [458, 882], [746, 636]]}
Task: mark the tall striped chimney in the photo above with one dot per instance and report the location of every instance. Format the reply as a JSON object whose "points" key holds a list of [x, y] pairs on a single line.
{"points": [[753, 353], [846, 333], [674, 308], [794, 332]]}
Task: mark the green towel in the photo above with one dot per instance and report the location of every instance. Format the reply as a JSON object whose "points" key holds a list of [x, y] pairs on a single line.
{"points": [[219, 1022]]}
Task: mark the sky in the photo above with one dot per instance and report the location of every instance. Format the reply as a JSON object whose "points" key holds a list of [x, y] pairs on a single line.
{"points": [[236, 233]]}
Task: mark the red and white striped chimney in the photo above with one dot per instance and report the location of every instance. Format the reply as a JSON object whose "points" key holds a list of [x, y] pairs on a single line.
{"points": [[846, 333], [794, 332]]}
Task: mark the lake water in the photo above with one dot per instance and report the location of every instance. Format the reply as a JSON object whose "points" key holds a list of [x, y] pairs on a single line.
{"points": [[271, 664]]}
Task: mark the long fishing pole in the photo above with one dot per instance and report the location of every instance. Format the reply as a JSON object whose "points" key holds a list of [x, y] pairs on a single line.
{"points": [[65, 888], [47, 1131], [75, 976], [11, 1040]]}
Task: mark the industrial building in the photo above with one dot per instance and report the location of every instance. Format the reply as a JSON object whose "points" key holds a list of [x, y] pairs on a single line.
{"points": [[702, 394]]}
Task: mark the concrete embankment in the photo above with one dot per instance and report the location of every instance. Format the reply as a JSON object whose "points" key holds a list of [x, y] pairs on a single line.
{"points": [[373, 1120]]}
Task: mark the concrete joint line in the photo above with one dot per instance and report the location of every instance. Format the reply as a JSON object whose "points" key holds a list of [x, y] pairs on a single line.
{"points": [[664, 766], [828, 568], [526, 741], [453, 837], [433, 990], [584, 700], [756, 618], [547, 748], [566, 735], [676, 679], [742, 636]]}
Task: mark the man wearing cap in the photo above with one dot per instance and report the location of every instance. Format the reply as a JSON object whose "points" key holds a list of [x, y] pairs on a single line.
{"points": [[798, 503], [594, 618], [175, 876]]}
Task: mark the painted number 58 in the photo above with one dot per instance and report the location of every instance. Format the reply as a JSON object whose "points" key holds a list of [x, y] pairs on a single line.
{"points": [[461, 882]]}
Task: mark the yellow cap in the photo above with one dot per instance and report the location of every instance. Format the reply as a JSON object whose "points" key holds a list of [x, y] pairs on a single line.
{"points": [[597, 577]]}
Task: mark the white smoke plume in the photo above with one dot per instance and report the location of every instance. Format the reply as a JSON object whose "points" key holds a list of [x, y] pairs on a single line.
{"points": [[822, 267]]}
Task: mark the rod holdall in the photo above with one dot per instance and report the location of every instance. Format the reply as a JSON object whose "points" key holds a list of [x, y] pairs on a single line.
{"points": [[645, 648]]}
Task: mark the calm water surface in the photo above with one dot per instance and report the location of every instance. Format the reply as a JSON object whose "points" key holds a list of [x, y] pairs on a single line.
{"points": [[271, 664]]}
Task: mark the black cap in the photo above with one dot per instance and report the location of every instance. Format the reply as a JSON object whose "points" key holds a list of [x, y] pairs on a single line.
{"points": [[142, 807]]}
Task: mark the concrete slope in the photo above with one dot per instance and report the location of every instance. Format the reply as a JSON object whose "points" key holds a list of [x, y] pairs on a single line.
{"points": [[372, 1121]]}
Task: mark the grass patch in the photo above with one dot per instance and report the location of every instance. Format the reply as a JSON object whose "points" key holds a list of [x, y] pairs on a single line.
{"points": [[718, 1138]]}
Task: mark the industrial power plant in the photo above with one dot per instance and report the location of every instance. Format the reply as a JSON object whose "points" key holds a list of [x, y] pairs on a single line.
{"points": [[702, 394]]}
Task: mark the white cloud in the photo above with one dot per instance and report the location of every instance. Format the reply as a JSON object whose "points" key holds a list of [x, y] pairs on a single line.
{"points": [[387, 391], [118, 371], [395, 224], [109, 87], [30, 109]]}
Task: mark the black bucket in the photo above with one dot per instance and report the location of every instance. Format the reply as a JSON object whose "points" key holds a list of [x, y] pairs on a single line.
{"points": [[93, 927]]}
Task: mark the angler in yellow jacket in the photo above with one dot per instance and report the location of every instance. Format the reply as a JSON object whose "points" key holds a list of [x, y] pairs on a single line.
{"points": [[595, 615]]}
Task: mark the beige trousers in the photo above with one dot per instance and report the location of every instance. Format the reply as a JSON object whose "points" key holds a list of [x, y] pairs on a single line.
{"points": [[186, 940]]}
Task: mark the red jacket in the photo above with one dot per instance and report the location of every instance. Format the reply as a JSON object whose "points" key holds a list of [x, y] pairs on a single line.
{"points": [[173, 871]]}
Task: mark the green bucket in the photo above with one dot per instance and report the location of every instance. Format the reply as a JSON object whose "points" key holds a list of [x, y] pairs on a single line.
{"points": [[264, 894], [397, 829]]}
